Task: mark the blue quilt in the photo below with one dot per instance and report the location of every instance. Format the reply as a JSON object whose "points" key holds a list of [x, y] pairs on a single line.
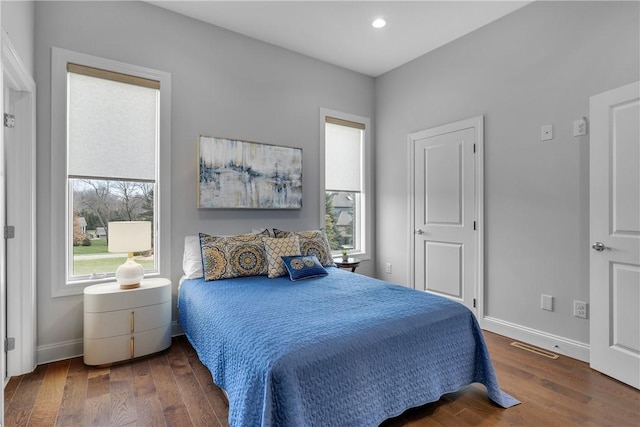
{"points": [[341, 350]]}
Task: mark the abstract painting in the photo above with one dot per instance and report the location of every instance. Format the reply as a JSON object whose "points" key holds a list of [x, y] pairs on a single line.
{"points": [[234, 174]]}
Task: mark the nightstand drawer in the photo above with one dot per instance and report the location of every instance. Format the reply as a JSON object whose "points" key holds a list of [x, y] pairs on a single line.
{"points": [[121, 322], [109, 297], [124, 347]]}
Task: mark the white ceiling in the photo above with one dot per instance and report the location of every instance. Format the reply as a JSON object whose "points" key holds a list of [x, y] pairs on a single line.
{"points": [[340, 32]]}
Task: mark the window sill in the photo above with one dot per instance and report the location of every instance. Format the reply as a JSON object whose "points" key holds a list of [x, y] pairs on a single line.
{"points": [[77, 286], [362, 256]]}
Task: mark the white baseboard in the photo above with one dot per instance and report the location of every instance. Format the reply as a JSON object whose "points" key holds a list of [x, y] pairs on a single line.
{"points": [[568, 347], [176, 329], [74, 348], [60, 351]]}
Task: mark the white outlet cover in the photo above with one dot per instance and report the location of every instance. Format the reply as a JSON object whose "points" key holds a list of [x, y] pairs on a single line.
{"points": [[546, 133], [580, 309], [579, 127]]}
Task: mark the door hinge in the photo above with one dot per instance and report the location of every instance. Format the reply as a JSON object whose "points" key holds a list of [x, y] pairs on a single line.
{"points": [[474, 303], [474, 148], [9, 344], [9, 120], [474, 225], [9, 232]]}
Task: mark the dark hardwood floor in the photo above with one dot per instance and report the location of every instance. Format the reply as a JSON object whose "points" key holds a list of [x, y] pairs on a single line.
{"points": [[173, 388]]}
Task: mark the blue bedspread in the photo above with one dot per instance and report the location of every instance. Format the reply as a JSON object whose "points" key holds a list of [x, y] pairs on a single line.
{"points": [[342, 350]]}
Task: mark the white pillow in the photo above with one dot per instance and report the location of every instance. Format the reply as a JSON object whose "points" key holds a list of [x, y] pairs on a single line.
{"points": [[192, 258]]}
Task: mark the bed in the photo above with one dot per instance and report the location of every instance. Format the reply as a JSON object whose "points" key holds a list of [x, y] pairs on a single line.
{"points": [[340, 350]]}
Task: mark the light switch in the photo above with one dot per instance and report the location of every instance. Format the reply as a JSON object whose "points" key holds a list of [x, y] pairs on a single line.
{"points": [[546, 133]]}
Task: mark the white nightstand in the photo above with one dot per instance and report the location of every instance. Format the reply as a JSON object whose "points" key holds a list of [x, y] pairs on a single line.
{"points": [[123, 324]]}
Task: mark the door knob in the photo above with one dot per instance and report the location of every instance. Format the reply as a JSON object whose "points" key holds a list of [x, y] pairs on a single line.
{"points": [[599, 246], [419, 231]]}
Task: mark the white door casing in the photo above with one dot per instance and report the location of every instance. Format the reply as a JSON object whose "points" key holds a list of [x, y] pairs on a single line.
{"points": [[6, 135], [3, 284], [20, 182], [446, 206], [615, 233], [3, 255]]}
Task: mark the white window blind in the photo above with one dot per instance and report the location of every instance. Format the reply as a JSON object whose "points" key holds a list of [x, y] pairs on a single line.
{"points": [[343, 156], [113, 128]]}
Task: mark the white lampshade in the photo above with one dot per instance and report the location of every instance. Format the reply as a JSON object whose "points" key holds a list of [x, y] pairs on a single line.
{"points": [[129, 236]]}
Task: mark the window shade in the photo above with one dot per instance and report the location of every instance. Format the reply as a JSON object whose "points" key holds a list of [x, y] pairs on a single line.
{"points": [[112, 128], [343, 158]]}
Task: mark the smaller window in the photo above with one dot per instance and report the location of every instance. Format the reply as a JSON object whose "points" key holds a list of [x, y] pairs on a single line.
{"points": [[346, 214]]}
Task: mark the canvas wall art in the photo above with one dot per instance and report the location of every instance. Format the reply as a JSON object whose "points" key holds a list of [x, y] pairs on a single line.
{"points": [[234, 174]]}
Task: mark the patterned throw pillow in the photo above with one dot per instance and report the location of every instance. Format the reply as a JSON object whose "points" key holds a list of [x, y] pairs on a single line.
{"points": [[225, 257], [276, 248], [312, 242], [303, 267]]}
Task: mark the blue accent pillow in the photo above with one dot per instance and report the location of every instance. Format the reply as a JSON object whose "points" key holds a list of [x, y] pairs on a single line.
{"points": [[303, 267]]}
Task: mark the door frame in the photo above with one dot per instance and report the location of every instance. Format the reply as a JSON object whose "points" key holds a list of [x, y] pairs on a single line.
{"points": [[477, 123], [21, 211]]}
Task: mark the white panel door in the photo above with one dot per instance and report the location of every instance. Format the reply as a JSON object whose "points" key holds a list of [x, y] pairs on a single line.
{"points": [[615, 233], [445, 239]]}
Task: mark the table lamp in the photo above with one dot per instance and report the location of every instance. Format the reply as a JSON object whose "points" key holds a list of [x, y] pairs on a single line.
{"points": [[130, 237]]}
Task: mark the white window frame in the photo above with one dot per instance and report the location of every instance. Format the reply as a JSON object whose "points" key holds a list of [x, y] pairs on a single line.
{"points": [[59, 225], [365, 224]]}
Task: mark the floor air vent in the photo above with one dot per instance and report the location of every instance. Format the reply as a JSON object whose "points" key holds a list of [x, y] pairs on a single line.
{"points": [[534, 350]]}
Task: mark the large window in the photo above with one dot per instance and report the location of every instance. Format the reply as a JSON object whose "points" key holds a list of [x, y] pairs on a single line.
{"points": [[114, 139], [346, 182]]}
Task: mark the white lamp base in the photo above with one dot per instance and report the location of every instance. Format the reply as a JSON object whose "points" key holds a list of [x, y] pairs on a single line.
{"points": [[130, 274]]}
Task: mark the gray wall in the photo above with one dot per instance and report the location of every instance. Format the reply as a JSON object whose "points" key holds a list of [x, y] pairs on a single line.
{"points": [[223, 84], [536, 66], [18, 22]]}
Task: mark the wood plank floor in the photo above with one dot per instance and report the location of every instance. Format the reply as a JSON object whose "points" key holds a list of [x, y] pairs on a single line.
{"points": [[173, 388]]}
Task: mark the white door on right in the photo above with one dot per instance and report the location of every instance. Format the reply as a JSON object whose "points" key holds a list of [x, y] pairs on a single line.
{"points": [[615, 233]]}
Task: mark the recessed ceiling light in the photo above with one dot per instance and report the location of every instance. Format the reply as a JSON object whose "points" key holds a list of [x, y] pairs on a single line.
{"points": [[379, 23]]}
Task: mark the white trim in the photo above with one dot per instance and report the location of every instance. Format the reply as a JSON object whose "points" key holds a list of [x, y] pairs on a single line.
{"points": [[59, 60], [21, 213], [411, 250], [176, 329], [568, 347], [3, 282], [60, 351], [478, 124], [479, 200], [75, 348], [367, 185]]}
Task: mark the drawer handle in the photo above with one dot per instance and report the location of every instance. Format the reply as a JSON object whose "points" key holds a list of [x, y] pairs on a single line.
{"points": [[132, 347], [132, 321]]}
